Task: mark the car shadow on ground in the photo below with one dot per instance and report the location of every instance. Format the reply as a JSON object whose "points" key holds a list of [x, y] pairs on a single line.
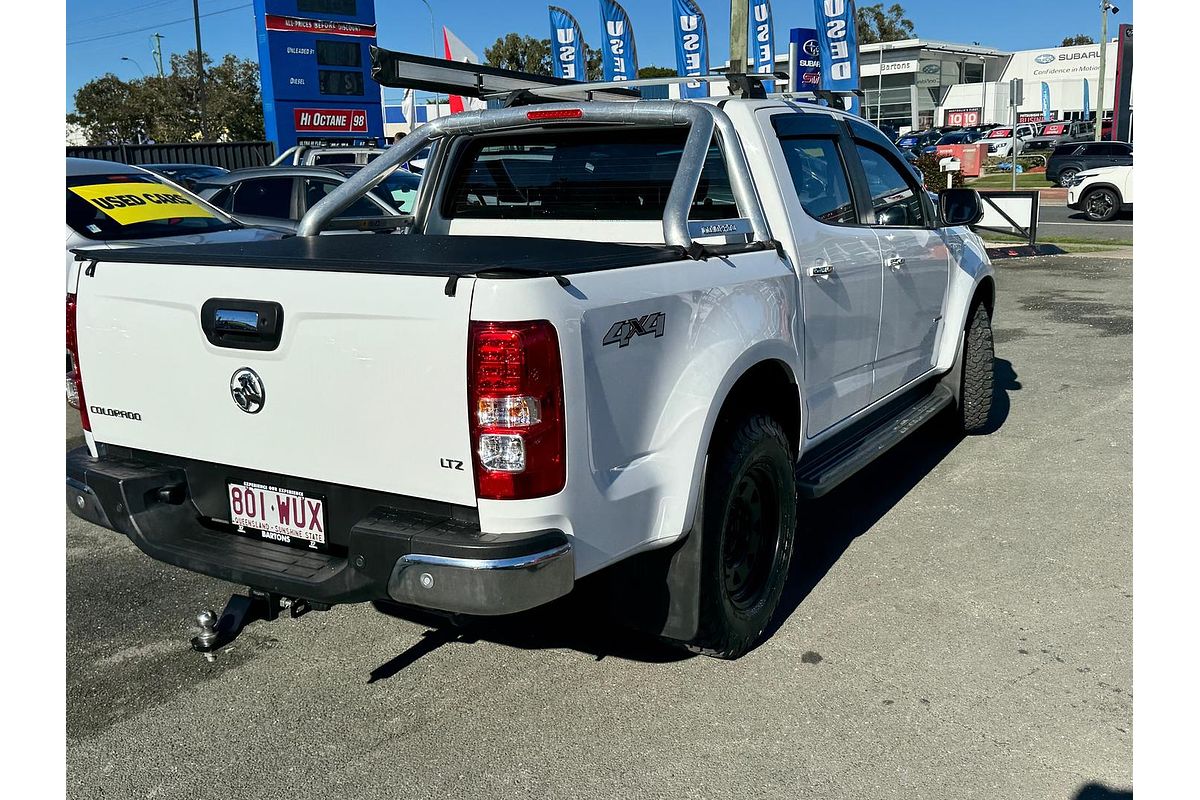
{"points": [[825, 527], [1098, 791], [582, 621]]}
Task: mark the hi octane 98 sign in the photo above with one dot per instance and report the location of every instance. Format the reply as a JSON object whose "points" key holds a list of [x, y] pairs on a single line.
{"points": [[315, 67]]}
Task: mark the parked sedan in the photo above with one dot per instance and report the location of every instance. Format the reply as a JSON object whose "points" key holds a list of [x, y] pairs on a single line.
{"points": [[116, 205], [1072, 158], [954, 137], [278, 197], [916, 141]]}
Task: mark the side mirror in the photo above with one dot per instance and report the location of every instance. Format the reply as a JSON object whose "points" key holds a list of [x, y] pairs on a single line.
{"points": [[959, 207]]}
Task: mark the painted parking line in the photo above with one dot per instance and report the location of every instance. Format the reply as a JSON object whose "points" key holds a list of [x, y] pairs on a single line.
{"points": [[1091, 224]]}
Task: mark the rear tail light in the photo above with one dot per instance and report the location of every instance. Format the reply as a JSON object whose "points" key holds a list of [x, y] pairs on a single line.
{"points": [[516, 409], [74, 376]]}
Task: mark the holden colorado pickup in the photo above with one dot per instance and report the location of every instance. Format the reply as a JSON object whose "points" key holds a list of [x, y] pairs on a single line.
{"points": [[631, 335]]}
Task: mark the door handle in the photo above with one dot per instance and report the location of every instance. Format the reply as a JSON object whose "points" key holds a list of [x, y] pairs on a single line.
{"points": [[820, 269], [895, 262]]}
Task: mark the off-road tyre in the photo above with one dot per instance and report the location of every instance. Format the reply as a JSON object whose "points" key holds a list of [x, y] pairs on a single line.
{"points": [[978, 372], [749, 521]]}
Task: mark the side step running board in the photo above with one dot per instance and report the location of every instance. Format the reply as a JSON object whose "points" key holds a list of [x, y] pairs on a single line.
{"points": [[823, 470]]}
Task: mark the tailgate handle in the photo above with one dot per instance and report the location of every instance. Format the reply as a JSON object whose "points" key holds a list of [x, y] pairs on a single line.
{"points": [[242, 324]]}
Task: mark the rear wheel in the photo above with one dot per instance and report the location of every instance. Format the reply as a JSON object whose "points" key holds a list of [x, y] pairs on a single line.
{"points": [[1066, 175], [1101, 205], [748, 525], [975, 401]]}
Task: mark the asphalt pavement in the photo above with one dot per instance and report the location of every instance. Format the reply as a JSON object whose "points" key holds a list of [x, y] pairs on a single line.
{"points": [[1055, 220], [957, 625]]}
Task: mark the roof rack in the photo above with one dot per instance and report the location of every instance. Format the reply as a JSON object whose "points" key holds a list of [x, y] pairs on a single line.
{"points": [[408, 70], [513, 88]]}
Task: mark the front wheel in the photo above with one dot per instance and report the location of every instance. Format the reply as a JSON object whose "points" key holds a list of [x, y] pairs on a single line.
{"points": [[1101, 205], [978, 372], [749, 520]]}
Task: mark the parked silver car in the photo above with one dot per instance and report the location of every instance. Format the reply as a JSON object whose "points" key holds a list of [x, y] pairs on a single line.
{"points": [[278, 197]]}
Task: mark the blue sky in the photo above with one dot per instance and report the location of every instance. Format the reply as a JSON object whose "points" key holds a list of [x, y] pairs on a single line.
{"points": [[404, 25]]}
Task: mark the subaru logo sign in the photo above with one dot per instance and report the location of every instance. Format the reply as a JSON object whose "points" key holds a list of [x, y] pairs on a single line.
{"points": [[1044, 58], [811, 48]]}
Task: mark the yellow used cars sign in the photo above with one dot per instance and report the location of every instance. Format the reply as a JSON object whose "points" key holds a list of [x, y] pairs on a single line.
{"points": [[127, 203]]}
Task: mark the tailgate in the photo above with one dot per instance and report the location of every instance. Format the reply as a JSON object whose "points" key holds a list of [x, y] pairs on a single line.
{"points": [[366, 387]]}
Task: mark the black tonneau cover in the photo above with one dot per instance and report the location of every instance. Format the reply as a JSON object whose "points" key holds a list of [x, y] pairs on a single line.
{"points": [[403, 254]]}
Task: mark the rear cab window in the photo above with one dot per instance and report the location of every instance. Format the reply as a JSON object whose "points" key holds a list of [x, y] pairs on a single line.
{"points": [[598, 174], [111, 207]]}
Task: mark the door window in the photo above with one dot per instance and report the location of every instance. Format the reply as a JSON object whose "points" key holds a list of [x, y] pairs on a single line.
{"points": [[820, 180], [316, 188], [264, 197], [895, 198]]}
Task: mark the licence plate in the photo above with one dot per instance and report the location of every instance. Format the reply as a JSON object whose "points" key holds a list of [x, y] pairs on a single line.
{"points": [[278, 515]]}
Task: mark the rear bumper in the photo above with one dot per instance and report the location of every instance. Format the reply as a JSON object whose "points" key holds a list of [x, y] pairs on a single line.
{"points": [[409, 557]]}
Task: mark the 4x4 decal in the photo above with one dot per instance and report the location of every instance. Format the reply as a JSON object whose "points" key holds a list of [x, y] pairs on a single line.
{"points": [[622, 332]]}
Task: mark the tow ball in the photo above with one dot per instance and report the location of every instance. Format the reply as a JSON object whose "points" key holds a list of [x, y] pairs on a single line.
{"points": [[240, 611]]}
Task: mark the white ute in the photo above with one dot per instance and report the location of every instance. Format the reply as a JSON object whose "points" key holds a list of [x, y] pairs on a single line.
{"points": [[636, 335]]}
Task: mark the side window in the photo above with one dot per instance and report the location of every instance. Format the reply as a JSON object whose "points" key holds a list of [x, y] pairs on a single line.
{"points": [[264, 197], [325, 159], [317, 188], [820, 180], [895, 197], [222, 198]]}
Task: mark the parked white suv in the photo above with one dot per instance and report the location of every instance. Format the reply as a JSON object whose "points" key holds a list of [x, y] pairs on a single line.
{"points": [[1102, 193], [619, 334], [1000, 140]]}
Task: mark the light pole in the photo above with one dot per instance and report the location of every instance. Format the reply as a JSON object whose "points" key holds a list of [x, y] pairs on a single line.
{"points": [[1105, 7], [136, 64], [432, 29], [879, 89]]}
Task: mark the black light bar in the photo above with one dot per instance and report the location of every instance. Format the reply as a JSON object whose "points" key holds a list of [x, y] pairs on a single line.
{"points": [[408, 70]]}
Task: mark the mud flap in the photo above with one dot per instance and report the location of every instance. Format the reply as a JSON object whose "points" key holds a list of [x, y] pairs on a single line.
{"points": [[658, 591]]}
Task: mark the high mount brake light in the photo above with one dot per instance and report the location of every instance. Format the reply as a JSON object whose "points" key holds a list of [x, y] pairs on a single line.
{"points": [[75, 377], [557, 113], [516, 410]]}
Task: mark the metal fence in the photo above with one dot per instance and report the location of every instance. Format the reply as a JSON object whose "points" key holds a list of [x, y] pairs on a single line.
{"points": [[230, 155]]}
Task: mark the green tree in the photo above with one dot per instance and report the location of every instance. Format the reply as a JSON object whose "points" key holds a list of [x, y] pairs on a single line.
{"points": [[106, 110], [874, 24], [520, 53], [1079, 38], [527, 54], [167, 109], [656, 72]]}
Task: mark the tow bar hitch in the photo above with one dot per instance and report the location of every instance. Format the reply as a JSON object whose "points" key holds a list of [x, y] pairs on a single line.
{"points": [[240, 611]]}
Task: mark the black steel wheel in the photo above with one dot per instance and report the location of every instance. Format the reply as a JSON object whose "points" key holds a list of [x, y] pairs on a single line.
{"points": [[749, 519]]}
